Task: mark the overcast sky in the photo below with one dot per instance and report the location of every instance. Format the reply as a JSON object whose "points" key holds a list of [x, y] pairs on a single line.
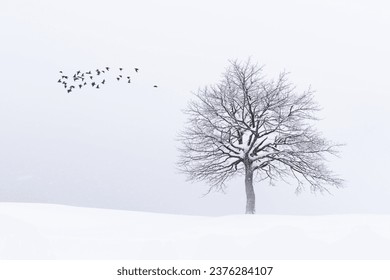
{"points": [[116, 148]]}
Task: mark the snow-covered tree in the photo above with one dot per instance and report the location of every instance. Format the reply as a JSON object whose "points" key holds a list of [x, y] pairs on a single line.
{"points": [[255, 127]]}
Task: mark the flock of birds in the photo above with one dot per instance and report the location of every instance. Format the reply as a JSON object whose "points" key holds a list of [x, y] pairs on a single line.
{"points": [[95, 78]]}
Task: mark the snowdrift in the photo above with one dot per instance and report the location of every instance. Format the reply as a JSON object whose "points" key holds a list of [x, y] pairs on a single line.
{"points": [[45, 231]]}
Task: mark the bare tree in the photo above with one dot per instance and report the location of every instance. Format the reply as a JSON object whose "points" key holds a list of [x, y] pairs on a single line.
{"points": [[258, 128]]}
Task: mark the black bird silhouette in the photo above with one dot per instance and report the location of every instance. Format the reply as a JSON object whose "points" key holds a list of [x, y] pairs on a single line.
{"points": [[79, 78]]}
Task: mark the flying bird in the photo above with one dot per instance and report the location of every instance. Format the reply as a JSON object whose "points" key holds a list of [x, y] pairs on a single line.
{"points": [[79, 78]]}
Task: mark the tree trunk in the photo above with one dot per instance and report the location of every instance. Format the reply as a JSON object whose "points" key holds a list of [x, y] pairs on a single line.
{"points": [[250, 193]]}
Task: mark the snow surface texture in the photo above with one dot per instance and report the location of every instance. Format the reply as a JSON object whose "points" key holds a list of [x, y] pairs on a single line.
{"points": [[46, 231]]}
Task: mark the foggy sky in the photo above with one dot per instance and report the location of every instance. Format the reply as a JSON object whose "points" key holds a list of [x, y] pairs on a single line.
{"points": [[116, 148]]}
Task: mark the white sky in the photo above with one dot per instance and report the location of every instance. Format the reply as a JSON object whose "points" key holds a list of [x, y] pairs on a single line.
{"points": [[116, 148]]}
